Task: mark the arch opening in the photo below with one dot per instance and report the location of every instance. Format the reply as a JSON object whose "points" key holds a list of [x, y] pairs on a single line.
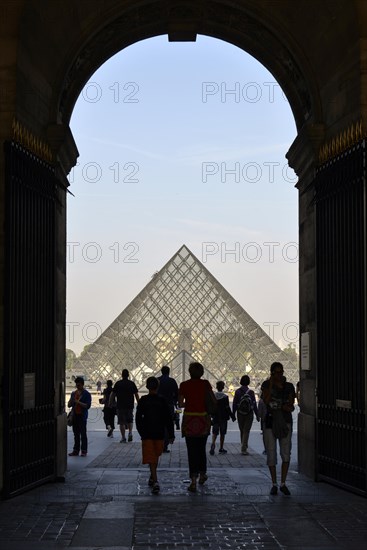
{"points": [[185, 189]]}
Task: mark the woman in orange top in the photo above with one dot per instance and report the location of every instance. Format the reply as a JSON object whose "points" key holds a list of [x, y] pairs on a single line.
{"points": [[196, 421]]}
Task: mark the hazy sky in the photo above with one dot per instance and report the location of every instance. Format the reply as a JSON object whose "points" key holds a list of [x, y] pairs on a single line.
{"points": [[182, 143]]}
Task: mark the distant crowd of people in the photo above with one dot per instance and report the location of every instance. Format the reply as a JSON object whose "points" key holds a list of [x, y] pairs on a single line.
{"points": [[204, 412]]}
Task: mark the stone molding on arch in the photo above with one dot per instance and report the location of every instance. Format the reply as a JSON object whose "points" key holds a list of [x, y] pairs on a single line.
{"points": [[245, 26]]}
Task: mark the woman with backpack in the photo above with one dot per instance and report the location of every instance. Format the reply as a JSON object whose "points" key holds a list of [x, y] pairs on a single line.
{"points": [[244, 405]]}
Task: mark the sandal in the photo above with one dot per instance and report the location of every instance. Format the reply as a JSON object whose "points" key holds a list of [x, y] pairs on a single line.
{"points": [[202, 479], [192, 486]]}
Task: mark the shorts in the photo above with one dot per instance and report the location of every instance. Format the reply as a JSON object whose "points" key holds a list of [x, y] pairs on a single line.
{"points": [[270, 443], [220, 428], [125, 416], [151, 450]]}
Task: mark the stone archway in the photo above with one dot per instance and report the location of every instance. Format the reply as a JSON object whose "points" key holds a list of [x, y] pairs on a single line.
{"points": [[251, 33], [52, 51]]}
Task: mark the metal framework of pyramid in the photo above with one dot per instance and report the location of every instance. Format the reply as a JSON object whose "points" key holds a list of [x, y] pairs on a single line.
{"points": [[184, 314]]}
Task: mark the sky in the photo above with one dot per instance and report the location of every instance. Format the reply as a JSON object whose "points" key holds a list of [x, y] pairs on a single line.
{"points": [[182, 143]]}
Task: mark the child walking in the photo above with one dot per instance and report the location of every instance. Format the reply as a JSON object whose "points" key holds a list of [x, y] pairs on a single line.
{"points": [[220, 419], [153, 416]]}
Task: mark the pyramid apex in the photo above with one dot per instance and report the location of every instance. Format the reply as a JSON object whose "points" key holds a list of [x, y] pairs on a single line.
{"points": [[182, 247]]}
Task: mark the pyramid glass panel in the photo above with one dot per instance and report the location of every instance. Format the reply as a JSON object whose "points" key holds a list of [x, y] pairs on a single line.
{"points": [[184, 314]]}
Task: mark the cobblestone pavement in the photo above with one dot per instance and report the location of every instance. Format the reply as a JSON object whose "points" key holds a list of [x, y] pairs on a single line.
{"points": [[106, 502], [22, 521], [220, 526], [240, 525], [126, 455]]}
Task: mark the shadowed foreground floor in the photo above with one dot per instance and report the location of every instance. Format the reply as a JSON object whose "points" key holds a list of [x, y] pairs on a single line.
{"points": [[105, 502]]}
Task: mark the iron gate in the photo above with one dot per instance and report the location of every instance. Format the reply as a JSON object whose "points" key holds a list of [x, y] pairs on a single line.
{"points": [[341, 319], [28, 390]]}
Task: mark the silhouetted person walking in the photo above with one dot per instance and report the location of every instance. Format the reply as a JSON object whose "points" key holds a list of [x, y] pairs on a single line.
{"points": [[278, 396], [169, 390], [220, 418], [80, 401], [125, 390], [109, 411], [153, 421], [196, 422], [244, 405]]}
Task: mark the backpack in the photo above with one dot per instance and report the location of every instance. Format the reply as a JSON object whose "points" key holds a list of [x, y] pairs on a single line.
{"points": [[245, 406]]}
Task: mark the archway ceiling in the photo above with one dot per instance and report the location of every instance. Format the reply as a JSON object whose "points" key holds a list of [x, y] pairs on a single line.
{"points": [[243, 24]]}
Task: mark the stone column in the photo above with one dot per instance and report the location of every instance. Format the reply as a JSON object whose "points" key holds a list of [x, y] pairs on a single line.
{"points": [[64, 149], [302, 157]]}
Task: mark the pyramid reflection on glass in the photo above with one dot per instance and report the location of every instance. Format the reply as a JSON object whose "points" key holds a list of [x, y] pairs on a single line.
{"points": [[184, 314]]}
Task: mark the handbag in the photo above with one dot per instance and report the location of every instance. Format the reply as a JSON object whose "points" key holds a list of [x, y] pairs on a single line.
{"points": [[70, 418]]}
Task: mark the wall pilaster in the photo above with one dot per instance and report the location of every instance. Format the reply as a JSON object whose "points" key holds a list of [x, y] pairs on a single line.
{"points": [[302, 157]]}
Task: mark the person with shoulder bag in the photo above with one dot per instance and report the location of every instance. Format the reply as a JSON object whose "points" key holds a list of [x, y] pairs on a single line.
{"points": [[80, 401]]}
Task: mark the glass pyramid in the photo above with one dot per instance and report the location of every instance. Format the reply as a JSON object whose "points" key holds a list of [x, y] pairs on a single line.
{"points": [[184, 314]]}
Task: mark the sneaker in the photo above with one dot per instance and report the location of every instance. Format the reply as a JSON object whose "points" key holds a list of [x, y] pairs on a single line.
{"points": [[274, 490], [74, 453], [83, 453], [211, 452], [130, 438], [245, 453], [223, 451], [156, 488], [123, 440], [110, 431], [284, 489]]}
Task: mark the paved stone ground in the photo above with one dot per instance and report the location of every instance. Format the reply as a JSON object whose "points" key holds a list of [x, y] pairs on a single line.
{"points": [[105, 502], [127, 455]]}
